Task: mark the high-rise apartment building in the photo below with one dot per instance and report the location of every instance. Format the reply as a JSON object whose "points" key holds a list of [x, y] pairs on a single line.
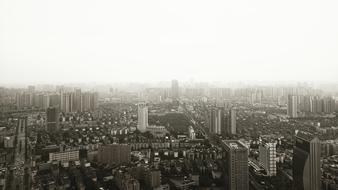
{"points": [[306, 162], [86, 101], [142, 117], [45, 101], [67, 102], [217, 118], [267, 158], [77, 100], [54, 100], [52, 119], [232, 122], [24, 100], [292, 106], [89, 101], [174, 90], [237, 165]]}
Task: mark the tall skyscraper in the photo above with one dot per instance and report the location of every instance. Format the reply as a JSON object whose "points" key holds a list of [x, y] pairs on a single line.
{"points": [[237, 165], [23, 100], [231, 128], [114, 154], [292, 106], [67, 102], [86, 101], [54, 100], [267, 158], [216, 120], [52, 119], [142, 117], [174, 90], [77, 100], [93, 100], [306, 162], [45, 101]]}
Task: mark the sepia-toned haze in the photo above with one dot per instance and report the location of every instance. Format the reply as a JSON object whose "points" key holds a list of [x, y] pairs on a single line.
{"points": [[133, 40]]}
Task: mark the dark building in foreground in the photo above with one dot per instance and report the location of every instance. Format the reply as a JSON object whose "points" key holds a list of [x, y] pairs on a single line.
{"points": [[237, 169], [114, 154], [52, 119], [306, 162]]}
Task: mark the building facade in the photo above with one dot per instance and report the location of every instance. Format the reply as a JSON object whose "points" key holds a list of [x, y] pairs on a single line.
{"points": [[232, 129], [52, 119], [292, 106], [216, 120], [114, 154], [267, 158], [237, 160], [306, 162], [174, 90], [64, 156], [142, 117]]}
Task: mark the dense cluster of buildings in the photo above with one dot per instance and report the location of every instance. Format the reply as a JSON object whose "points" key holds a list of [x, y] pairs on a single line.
{"points": [[222, 123], [67, 101], [304, 105], [132, 145]]}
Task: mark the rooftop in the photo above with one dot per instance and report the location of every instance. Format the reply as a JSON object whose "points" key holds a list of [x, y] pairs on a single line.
{"points": [[234, 144]]}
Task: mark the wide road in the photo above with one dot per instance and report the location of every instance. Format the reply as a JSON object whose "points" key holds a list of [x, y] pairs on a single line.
{"points": [[213, 139], [18, 167]]}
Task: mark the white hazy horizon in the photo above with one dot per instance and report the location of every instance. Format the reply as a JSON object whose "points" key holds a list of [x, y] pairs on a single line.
{"points": [[106, 41]]}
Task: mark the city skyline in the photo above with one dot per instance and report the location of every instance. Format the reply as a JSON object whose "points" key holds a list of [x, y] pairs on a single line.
{"points": [[169, 137]]}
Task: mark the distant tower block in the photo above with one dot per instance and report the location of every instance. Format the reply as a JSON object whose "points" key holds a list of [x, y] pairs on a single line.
{"points": [[142, 117]]}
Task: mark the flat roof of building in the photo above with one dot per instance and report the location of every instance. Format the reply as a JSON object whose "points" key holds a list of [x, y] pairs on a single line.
{"points": [[234, 144]]}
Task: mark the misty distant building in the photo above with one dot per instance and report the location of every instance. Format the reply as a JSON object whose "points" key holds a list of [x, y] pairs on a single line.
{"points": [[174, 89], [54, 100], [217, 120], [85, 101], [45, 101], [114, 154], [292, 106], [23, 100], [231, 128], [67, 102], [306, 162], [237, 171], [77, 100], [267, 158], [52, 119], [142, 117], [31, 89]]}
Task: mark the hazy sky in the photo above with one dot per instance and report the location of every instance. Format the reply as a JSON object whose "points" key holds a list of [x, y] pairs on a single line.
{"points": [[142, 40]]}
